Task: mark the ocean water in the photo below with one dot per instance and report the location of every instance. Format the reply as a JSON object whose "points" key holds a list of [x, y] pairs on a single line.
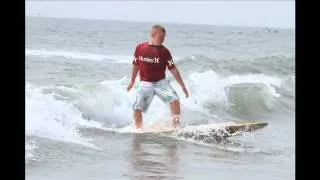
{"points": [[79, 121]]}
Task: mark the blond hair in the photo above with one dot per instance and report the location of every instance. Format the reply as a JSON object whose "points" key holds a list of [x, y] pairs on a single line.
{"points": [[159, 27]]}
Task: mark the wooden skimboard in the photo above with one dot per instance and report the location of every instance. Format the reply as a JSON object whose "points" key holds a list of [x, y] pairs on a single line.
{"points": [[217, 133], [245, 127], [223, 129], [151, 130]]}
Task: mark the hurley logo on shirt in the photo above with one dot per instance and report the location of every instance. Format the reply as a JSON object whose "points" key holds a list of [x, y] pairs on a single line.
{"points": [[170, 62], [147, 59]]}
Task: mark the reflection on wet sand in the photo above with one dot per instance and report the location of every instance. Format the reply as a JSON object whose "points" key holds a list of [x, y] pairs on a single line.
{"points": [[153, 157]]}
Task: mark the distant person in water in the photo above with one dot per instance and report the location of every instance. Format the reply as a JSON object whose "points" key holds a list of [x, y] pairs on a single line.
{"points": [[151, 59]]}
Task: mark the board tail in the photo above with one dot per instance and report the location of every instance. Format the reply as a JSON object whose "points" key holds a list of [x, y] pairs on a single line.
{"points": [[245, 127], [216, 133]]}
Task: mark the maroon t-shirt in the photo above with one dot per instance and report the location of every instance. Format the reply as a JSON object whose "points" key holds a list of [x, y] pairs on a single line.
{"points": [[152, 61]]}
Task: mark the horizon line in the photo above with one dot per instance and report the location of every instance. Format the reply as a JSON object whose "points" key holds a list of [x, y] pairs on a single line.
{"points": [[177, 23]]}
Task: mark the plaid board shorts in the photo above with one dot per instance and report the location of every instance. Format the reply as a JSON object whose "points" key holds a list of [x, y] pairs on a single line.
{"points": [[147, 90]]}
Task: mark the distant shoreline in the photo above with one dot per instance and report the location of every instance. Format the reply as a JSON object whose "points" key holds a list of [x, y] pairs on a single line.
{"points": [[150, 22]]}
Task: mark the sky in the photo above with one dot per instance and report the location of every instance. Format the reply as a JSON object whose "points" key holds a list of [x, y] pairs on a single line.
{"points": [[276, 14]]}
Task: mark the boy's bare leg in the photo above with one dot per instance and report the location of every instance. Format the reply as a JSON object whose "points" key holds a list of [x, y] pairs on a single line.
{"points": [[138, 119], [175, 113]]}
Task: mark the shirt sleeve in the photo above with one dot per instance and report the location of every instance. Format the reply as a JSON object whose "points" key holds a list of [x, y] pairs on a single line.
{"points": [[135, 59], [169, 60]]}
